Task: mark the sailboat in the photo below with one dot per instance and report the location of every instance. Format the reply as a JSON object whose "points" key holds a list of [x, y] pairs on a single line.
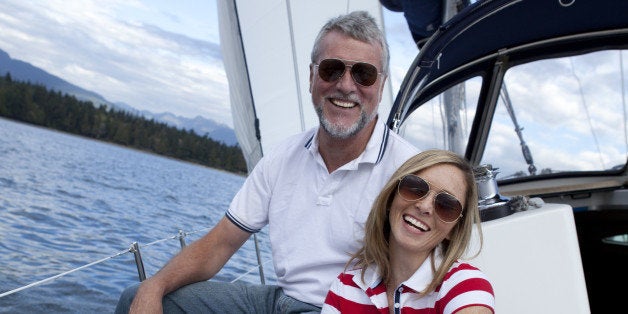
{"points": [[532, 92]]}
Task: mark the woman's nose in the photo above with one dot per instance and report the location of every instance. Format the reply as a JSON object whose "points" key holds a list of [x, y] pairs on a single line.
{"points": [[425, 205]]}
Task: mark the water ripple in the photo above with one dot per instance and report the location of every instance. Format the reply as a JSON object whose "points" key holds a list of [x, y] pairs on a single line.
{"points": [[66, 201]]}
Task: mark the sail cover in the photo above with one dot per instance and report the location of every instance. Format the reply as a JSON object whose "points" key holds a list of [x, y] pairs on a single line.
{"points": [[266, 49]]}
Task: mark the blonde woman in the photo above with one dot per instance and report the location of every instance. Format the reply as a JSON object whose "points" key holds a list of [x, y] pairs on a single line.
{"points": [[416, 233]]}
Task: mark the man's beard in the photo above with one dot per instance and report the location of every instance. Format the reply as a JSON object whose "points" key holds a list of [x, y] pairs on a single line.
{"points": [[339, 131]]}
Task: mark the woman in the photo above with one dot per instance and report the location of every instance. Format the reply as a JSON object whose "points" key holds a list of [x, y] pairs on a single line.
{"points": [[418, 229]]}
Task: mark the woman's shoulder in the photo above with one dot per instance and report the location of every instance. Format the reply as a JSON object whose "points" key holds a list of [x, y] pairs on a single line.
{"points": [[459, 264], [464, 269], [462, 278]]}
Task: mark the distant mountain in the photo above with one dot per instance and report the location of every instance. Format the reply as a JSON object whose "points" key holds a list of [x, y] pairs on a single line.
{"points": [[200, 125], [26, 72], [23, 71]]}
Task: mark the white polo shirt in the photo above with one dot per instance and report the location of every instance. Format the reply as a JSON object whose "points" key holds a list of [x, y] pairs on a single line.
{"points": [[316, 219]]}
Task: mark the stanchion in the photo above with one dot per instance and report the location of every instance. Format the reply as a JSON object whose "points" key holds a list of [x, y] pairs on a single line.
{"points": [[135, 249], [182, 238], [259, 261]]}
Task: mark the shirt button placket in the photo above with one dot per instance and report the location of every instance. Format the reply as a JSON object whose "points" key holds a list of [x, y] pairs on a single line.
{"points": [[398, 300]]}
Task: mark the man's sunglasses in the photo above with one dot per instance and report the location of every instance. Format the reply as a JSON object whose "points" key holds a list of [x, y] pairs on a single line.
{"points": [[413, 188], [331, 70]]}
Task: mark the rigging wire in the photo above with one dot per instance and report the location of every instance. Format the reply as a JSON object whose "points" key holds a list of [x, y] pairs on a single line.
{"points": [[250, 271], [525, 149], [295, 65], [586, 110], [40, 282], [61, 274]]}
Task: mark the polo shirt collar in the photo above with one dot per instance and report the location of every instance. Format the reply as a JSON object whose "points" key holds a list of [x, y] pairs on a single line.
{"points": [[375, 148], [424, 275], [417, 282]]}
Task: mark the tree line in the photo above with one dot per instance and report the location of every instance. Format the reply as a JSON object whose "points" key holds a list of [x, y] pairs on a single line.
{"points": [[35, 104]]}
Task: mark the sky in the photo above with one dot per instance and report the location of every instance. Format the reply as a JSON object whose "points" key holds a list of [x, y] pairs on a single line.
{"points": [[155, 55], [164, 56]]}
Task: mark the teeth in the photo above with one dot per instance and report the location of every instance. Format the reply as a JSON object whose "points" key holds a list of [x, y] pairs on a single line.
{"points": [[415, 223], [344, 104]]}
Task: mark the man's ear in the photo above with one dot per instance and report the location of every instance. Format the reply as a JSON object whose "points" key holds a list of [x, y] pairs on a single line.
{"points": [[311, 76], [381, 87]]}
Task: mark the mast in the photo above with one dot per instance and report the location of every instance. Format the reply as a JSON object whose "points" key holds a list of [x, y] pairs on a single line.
{"points": [[454, 97]]}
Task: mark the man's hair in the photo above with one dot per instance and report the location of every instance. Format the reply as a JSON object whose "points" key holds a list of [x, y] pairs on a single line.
{"points": [[359, 25]]}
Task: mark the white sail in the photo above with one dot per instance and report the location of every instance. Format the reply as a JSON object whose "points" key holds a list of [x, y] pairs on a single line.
{"points": [[266, 48]]}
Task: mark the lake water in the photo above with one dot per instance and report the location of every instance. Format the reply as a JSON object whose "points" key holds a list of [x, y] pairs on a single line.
{"points": [[68, 201]]}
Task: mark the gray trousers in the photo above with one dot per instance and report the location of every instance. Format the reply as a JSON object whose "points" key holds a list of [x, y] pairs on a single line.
{"points": [[223, 297]]}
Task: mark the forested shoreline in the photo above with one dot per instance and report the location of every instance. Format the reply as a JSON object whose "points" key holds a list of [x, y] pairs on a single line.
{"points": [[35, 104]]}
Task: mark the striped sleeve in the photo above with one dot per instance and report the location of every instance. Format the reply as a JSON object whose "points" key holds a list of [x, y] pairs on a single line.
{"points": [[464, 286]]}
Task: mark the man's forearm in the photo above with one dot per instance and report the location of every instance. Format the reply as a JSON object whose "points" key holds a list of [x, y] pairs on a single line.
{"points": [[199, 261]]}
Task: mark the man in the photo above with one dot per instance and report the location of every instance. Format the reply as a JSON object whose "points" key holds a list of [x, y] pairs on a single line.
{"points": [[314, 191]]}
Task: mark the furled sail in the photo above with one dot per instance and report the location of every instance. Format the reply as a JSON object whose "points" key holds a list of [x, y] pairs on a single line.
{"points": [[266, 48]]}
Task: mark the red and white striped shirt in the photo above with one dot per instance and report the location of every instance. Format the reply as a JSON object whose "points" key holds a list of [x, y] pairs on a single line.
{"points": [[464, 285]]}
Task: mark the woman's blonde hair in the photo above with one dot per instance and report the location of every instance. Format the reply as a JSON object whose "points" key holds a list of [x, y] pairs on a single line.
{"points": [[377, 228]]}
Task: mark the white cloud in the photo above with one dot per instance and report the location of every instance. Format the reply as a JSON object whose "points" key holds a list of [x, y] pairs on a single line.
{"points": [[154, 55], [124, 60]]}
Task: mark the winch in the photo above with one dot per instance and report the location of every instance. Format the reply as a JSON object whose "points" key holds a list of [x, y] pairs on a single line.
{"points": [[490, 203]]}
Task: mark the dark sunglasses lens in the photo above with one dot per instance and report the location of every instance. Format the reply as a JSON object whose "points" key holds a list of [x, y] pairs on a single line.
{"points": [[364, 73], [331, 70], [413, 188], [447, 207]]}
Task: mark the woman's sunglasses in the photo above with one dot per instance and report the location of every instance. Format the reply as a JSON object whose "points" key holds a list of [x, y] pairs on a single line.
{"points": [[413, 188], [331, 70]]}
